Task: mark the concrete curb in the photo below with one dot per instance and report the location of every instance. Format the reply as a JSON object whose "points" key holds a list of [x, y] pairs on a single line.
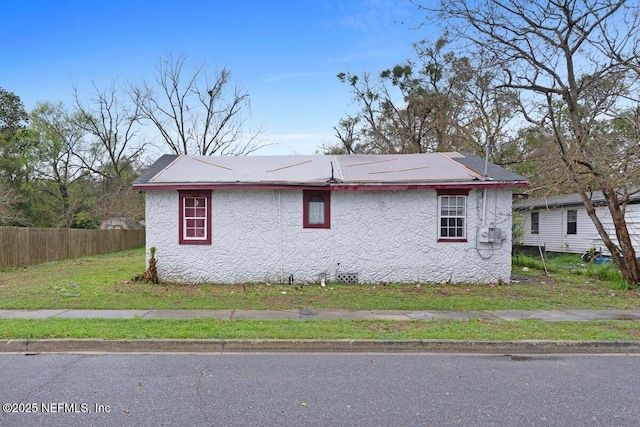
{"points": [[26, 346]]}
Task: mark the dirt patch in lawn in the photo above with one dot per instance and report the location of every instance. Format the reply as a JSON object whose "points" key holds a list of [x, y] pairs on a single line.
{"points": [[532, 280]]}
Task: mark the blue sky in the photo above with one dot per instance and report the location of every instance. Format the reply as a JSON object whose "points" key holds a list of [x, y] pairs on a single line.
{"points": [[285, 53]]}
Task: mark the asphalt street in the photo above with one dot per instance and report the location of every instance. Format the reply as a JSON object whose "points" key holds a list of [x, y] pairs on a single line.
{"points": [[319, 389]]}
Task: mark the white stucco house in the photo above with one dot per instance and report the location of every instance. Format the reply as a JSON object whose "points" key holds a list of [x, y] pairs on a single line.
{"points": [[561, 223], [351, 218]]}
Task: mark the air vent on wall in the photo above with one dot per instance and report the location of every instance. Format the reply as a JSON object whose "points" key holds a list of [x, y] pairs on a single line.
{"points": [[347, 278]]}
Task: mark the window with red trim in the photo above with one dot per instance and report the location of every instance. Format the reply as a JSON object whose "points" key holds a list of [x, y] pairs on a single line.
{"points": [[195, 217], [316, 210]]}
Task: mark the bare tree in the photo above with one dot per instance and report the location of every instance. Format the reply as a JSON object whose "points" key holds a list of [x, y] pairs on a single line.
{"points": [[194, 112], [574, 63], [404, 110], [55, 167], [111, 150], [112, 125], [348, 133], [485, 114], [439, 101], [10, 213]]}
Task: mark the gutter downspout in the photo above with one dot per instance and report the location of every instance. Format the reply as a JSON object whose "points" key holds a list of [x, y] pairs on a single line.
{"points": [[280, 236], [486, 172]]}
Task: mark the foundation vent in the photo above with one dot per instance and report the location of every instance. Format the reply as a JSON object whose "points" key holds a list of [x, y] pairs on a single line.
{"points": [[347, 278]]}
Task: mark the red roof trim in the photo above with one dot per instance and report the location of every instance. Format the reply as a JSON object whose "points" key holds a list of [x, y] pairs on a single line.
{"points": [[453, 191], [331, 187]]}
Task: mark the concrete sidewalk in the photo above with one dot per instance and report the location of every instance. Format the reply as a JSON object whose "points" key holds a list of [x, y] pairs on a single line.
{"points": [[330, 314], [38, 346]]}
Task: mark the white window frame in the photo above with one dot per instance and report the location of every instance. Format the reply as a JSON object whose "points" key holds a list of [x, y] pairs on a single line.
{"points": [[573, 230], [456, 212], [535, 225]]}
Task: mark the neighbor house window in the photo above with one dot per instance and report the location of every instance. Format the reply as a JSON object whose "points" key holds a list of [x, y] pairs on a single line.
{"points": [[572, 221], [452, 209], [195, 217], [535, 222], [316, 209]]}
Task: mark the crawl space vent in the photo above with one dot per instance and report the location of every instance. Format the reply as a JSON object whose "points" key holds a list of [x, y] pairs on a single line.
{"points": [[347, 278]]}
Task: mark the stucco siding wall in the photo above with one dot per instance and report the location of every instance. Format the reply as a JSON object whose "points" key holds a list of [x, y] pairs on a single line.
{"points": [[257, 236]]}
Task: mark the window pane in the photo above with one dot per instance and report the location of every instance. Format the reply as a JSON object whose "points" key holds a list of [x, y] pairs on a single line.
{"points": [[194, 213], [316, 212], [572, 222], [535, 222], [452, 216]]}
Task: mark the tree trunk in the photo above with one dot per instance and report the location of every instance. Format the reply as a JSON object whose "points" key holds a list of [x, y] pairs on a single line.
{"points": [[628, 263], [623, 254]]}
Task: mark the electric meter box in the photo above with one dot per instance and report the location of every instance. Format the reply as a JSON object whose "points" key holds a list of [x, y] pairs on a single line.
{"points": [[490, 234]]}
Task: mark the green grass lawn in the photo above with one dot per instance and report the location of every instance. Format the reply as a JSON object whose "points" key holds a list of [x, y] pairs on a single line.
{"points": [[105, 282], [315, 329]]}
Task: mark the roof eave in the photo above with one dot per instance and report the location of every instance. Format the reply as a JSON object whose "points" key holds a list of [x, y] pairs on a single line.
{"points": [[340, 186]]}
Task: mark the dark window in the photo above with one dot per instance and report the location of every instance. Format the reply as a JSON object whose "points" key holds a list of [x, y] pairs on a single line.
{"points": [[316, 209], [195, 217], [535, 222], [572, 222]]}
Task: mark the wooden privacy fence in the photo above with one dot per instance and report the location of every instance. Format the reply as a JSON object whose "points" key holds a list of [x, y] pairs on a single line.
{"points": [[20, 246]]}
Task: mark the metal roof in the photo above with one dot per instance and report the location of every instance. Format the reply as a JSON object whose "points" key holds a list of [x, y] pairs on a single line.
{"points": [[383, 169]]}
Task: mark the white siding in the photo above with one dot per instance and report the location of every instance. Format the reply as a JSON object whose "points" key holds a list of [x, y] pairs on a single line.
{"points": [[553, 229], [386, 236]]}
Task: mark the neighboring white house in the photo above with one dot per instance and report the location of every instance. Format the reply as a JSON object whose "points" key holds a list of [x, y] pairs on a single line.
{"points": [[350, 218], [561, 223], [120, 223]]}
